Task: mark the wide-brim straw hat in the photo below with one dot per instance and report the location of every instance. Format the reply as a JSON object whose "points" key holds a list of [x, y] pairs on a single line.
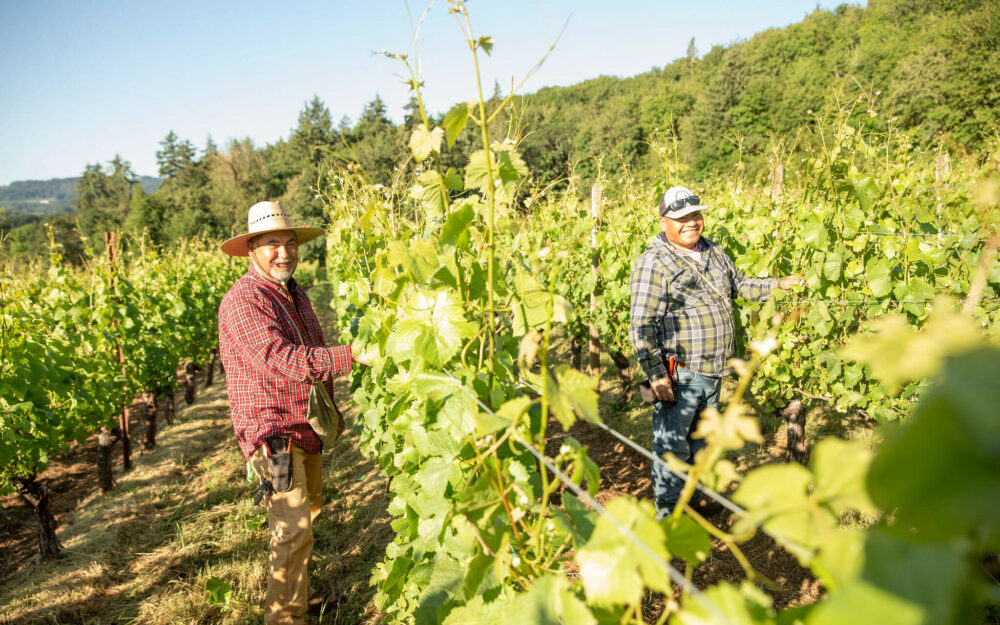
{"points": [[264, 217]]}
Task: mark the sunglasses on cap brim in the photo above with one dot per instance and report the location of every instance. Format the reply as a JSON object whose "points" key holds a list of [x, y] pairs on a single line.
{"points": [[690, 200]]}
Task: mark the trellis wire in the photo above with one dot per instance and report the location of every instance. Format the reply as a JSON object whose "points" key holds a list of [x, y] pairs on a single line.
{"points": [[674, 575], [723, 501], [727, 503], [874, 301], [778, 235]]}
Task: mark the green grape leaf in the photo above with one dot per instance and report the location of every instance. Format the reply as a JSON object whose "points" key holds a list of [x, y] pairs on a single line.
{"points": [[833, 264], [454, 122], [897, 354], [919, 289], [777, 497], [445, 584], [688, 540], [819, 318], [418, 258], [435, 474], [725, 603], [462, 412], [955, 434], [862, 603], [840, 468], [831, 362], [431, 190], [219, 591], [433, 327], [613, 568], [549, 601], [424, 142], [486, 43], [468, 614], [477, 576], [577, 520], [879, 275], [814, 233], [729, 430], [532, 304], [904, 581], [851, 219], [577, 392], [507, 167], [429, 384], [840, 558], [455, 232], [864, 189]]}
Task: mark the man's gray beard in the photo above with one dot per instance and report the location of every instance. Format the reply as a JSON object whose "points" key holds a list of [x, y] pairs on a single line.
{"points": [[282, 275]]}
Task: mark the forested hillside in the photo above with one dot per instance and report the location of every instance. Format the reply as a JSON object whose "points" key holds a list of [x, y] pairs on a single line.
{"points": [[927, 67], [24, 202], [50, 197]]}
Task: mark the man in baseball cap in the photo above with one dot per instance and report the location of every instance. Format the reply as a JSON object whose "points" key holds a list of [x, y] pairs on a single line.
{"points": [[683, 330]]}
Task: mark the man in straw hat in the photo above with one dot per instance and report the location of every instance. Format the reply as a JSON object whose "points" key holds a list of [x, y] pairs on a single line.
{"points": [[683, 331], [272, 349]]}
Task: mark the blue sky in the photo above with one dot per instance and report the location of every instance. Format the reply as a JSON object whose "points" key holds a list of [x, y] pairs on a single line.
{"points": [[83, 81]]}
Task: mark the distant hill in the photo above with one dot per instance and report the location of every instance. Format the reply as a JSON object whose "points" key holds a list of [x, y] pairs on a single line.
{"points": [[50, 197]]}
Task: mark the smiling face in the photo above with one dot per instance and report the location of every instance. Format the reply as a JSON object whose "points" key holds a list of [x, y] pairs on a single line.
{"points": [[684, 232], [276, 254]]}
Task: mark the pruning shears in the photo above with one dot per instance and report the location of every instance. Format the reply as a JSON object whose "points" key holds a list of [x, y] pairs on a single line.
{"points": [[646, 390]]}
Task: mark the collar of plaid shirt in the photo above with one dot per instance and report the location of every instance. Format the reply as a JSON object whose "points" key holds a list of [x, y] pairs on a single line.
{"points": [[268, 373]]}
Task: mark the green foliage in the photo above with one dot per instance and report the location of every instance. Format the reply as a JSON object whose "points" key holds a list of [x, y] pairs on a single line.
{"points": [[103, 196], [62, 328], [219, 591], [455, 297], [730, 111]]}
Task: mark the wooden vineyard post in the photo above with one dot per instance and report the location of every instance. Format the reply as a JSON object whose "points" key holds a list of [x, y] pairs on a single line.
{"points": [[211, 367], [111, 245], [34, 493], [777, 180], [149, 401], [797, 449], [168, 404], [595, 339], [190, 385], [106, 440], [942, 171]]}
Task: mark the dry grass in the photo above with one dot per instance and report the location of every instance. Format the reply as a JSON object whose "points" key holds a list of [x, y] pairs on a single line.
{"points": [[144, 552]]}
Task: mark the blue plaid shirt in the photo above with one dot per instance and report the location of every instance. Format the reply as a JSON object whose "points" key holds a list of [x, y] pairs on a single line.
{"points": [[684, 308]]}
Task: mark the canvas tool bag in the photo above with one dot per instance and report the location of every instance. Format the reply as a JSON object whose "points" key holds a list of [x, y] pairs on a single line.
{"points": [[324, 416]]}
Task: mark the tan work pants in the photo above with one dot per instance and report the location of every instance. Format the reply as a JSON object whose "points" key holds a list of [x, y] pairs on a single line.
{"points": [[290, 517]]}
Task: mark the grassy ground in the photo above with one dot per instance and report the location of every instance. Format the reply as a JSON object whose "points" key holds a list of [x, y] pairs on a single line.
{"points": [[146, 551]]}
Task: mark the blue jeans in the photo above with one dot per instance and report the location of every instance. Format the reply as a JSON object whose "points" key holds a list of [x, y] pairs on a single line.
{"points": [[672, 430]]}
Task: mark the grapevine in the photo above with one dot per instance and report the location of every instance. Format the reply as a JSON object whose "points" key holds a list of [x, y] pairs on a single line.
{"points": [[61, 376], [456, 304]]}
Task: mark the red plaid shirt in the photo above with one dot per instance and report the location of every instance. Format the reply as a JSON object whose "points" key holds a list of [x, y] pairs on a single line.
{"points": [[268, 371]]}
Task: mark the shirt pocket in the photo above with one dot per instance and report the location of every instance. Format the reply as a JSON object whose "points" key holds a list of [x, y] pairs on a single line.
{"points": [[687, 288]]}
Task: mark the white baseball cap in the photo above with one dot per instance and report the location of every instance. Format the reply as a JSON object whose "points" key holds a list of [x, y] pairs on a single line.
{"points": [[678, 202]]}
